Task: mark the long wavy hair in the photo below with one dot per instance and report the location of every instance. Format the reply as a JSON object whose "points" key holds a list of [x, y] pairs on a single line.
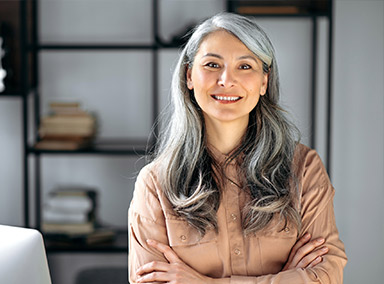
{"points": [[185, 167]]}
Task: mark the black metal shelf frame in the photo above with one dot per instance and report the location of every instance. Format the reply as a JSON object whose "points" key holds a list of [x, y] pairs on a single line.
{"points": [[120, 147], [131, 148]]}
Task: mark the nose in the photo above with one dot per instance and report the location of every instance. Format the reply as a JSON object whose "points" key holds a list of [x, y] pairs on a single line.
{"points": [[227, 78]]}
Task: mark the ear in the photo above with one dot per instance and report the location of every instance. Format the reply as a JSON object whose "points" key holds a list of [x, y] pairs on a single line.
{"points": [[264, 84], [189, 78]]}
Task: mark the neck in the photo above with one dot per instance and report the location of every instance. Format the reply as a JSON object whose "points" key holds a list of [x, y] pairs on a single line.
{"points": [[225, 136]]}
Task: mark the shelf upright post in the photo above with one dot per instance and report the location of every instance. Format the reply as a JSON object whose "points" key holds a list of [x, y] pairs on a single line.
{"points": [[314, 81], [24, 96], [330, 74], [155, 66], [230, 6], [36, 106]]}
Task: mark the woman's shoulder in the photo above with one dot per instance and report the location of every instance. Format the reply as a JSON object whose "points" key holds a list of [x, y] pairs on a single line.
{"points": [[147, 179], [147, 200], [309, 168], [148, 172]]}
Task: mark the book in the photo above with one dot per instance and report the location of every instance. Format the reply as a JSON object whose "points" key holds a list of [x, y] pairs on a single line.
{"points": [[66, 145], [68, 228], [61, 217], [70, 210], [260, 10], [66, 108], [68, 127], [62, 130], [68, 120]]}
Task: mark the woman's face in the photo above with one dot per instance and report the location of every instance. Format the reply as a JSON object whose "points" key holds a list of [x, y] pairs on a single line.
{"points": [[227, 78]]}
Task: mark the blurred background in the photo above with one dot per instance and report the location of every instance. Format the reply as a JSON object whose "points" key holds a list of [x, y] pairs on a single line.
{"points": [[102, 69]]}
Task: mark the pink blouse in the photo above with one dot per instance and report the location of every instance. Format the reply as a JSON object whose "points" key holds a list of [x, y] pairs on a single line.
{"points": [[229, 254]]}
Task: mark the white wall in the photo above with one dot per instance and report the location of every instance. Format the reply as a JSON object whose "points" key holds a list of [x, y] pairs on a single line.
{"points": [[358, 136], [358, 111]]}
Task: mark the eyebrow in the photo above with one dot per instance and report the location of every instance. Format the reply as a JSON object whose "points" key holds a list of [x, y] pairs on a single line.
{"points": [[239, 58], [213, 55]]}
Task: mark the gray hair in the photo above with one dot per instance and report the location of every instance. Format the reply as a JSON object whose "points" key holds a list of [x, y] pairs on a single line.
{"points": [[186, 168]]}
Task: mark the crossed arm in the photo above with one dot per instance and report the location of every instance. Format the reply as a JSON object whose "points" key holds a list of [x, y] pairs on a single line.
{"points": [[306, 253]]}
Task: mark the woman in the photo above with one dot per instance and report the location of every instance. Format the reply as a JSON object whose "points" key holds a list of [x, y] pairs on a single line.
{"points": [[231, 197]]}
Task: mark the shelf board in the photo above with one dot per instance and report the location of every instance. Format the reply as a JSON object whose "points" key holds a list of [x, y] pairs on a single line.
{"points": [[12, 92], [16, 92], [118, 245], [83, 46], [104, 147]]}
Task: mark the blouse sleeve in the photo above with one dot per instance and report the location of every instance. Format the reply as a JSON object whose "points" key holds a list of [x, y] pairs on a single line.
{"points": [[318, 219], [145, 221]]}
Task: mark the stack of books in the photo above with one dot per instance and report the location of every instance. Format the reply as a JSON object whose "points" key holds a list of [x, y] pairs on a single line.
{"points": [[70, 215], [68, 128]]}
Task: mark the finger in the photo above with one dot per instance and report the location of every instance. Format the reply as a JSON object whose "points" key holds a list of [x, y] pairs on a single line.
{"points": [[152, 266], [302, 241], [312, 257], [168, 252], [315, 262], [305, 250], [154, 277]]}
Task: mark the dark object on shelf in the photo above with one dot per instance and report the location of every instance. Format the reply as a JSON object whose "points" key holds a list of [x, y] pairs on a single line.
{"points": [[99, 236], [119, 244], [280, 7], [103, 275]]}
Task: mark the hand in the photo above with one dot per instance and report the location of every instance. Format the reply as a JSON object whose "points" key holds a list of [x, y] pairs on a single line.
{"points": [[175, 272], [306, 253]]}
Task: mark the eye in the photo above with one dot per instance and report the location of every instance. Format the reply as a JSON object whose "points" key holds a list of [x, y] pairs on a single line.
{"points": [[212, 65], [245, 66]]}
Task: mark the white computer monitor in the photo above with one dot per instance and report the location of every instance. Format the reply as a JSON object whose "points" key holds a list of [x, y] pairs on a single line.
{"points": [[22, 256]]}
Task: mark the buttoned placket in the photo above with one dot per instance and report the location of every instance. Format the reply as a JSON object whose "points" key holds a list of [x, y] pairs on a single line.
{"points": [[234, 227]]}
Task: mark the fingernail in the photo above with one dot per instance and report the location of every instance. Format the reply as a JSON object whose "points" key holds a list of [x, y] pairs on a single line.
{"points": [[149, 242], [307, 235], [324, 249], [320, 241]]}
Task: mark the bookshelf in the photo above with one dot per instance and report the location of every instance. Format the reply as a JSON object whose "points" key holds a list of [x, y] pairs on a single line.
{"points": [[28, 87], [107, 147]]}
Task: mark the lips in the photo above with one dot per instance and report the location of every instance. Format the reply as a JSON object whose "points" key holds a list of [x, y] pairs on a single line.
{"points": [[226, 98]]}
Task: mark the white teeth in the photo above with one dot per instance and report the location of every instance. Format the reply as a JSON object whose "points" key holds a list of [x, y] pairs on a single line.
{"points": [[226, 98]]}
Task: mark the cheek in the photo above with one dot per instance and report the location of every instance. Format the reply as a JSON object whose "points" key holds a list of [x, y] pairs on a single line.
{"points": [[254, 86], [203, 80]]}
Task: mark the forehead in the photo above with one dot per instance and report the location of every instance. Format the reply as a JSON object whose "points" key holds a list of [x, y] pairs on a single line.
{"points": [[222, 41]]}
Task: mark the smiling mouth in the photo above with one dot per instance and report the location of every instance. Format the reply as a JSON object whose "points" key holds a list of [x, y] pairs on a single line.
{"points": [[226, 98]]}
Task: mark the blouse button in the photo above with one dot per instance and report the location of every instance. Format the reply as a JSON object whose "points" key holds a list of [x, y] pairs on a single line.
{"points": [[183, 238], [233, 216], [237, 251]]}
